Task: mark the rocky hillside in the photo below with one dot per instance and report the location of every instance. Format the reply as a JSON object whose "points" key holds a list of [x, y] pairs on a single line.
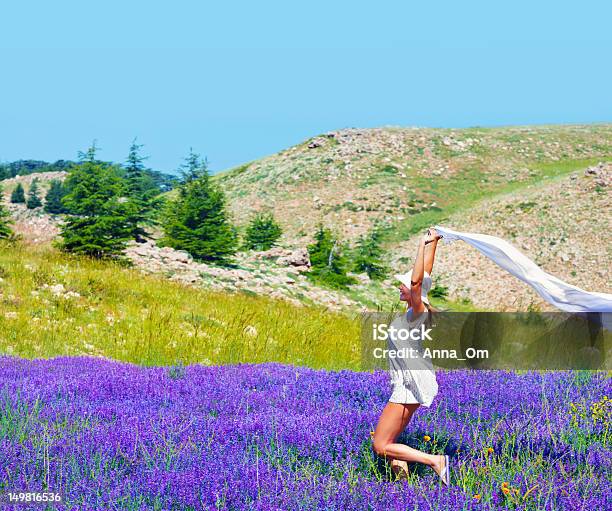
{"points": [[33, 225], [540, 187], [546, 189], [403, 177], [278, 272], [561, 224]]}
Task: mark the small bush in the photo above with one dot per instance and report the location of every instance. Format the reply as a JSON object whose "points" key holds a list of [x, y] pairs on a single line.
{"points": [[263, 232], [438, 291]]}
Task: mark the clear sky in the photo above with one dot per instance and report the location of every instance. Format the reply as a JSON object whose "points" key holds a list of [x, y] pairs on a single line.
{"points": [[239, 80]]}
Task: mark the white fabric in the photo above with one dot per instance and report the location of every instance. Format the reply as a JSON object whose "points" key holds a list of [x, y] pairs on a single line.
{"points": [[562, 295]]}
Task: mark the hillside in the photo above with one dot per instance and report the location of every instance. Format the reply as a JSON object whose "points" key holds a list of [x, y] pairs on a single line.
{"points": [[33, 226], [472, 179], [560, 223], [542, 188], [352, 178]]}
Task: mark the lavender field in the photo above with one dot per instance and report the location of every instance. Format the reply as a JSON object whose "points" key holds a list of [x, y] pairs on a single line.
{"points": [[110, 435]]}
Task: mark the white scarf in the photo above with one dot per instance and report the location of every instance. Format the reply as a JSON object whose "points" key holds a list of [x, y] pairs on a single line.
{"points": [[562, 295]]}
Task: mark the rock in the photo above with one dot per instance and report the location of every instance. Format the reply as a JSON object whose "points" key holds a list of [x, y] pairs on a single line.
{"points": [[362, 278], [602, 172], [317, 142], [181, 256], [298, 257], [187, 278], [276, 277]]}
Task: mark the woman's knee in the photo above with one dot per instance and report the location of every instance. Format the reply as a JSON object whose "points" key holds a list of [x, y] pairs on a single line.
{"points": [[379, 447]]}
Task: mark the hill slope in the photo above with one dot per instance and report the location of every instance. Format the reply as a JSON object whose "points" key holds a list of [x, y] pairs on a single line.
{"points": [[472, 179], [529, 185], [352, 178]]}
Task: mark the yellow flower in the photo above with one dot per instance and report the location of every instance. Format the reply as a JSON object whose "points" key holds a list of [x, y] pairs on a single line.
{"points": [[372, 434], [504, 485], [477, 496], [506, 490], [490, 450], [427, 438]]}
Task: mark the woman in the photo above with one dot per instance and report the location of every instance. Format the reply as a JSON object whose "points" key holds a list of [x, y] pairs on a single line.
{"points": [[416, 385]]}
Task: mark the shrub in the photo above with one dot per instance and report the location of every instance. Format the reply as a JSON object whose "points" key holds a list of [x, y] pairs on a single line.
{"points": [[368, 256], [262, 232], [18, 195], [328, 263], [33, 201]]}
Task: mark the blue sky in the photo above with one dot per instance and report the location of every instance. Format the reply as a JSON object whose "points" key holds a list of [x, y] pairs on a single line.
{"points": [[240, 80]]}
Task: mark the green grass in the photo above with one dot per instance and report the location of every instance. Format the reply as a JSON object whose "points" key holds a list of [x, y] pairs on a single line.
{"points": [[464, 190], [118, 313]]}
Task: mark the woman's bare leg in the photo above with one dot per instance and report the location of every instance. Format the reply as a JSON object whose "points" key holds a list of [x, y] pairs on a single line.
{"points": [[392, 422]]}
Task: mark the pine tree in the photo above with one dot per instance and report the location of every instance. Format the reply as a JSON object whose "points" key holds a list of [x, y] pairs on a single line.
{"points": [[53, 199], [194, 167], [5, 230], [18, 195], [369, 256], [262, 232], [33, 201], [98, 220], [142, 190], [196, 221], [327, 260]]}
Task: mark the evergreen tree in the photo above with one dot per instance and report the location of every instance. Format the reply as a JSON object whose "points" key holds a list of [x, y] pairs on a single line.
{"points": [[98, 220], [53, 199], [196, 221], [262, 232], [194, 167], [142, 190], [327, 260], [5, 230], [18, 195], [369, 256], [33, 201]]}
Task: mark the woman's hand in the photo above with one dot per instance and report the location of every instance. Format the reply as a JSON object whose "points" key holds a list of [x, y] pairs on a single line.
{"points": [[431, 236]]}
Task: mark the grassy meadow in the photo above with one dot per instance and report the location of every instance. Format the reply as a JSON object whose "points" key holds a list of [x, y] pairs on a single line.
{"points": [[54, 304]]}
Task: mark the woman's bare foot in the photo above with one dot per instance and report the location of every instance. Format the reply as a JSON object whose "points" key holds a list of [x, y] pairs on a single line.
{"points": [[440, 467], [400, 469]]}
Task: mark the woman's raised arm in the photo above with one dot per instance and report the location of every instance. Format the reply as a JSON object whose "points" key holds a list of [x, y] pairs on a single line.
{"points": [[430, 249], [416, 281]]}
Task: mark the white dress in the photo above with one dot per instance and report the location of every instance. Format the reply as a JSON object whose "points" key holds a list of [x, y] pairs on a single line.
{"points": [[413, 381]]}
